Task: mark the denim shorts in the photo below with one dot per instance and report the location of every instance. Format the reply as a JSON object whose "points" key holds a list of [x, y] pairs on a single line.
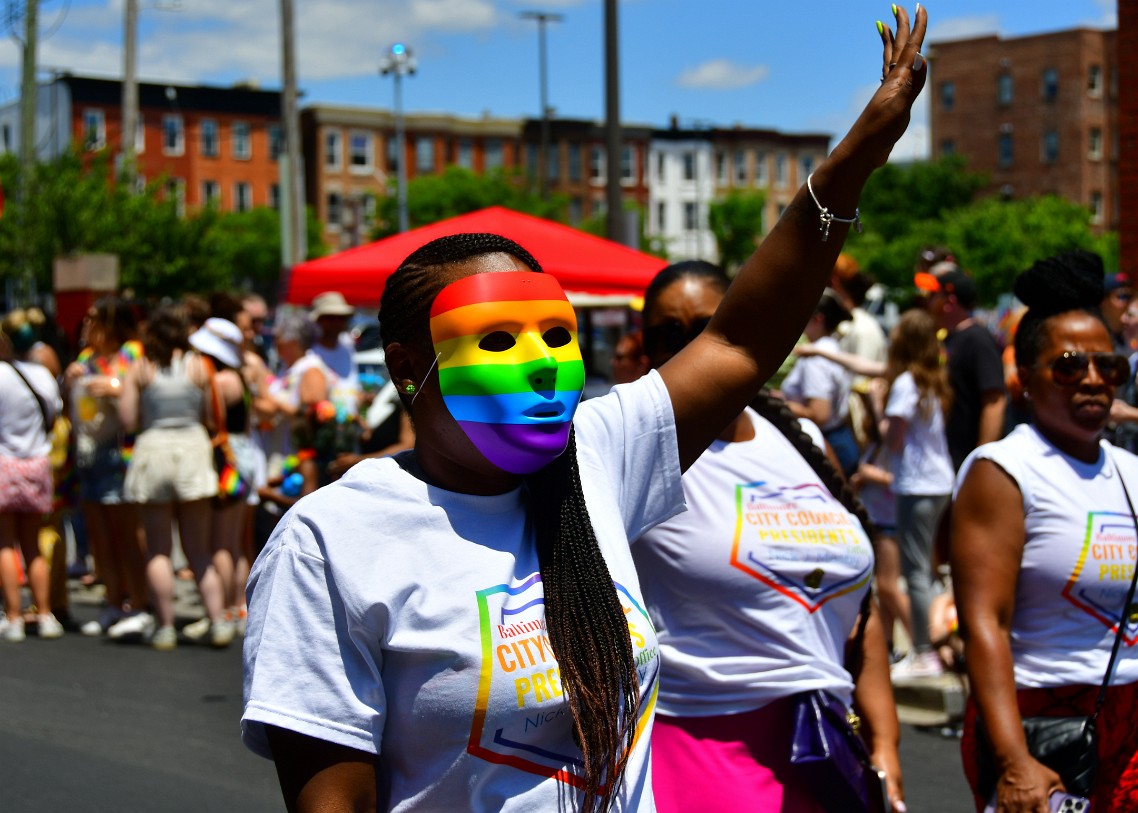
{"points": [[102, 480]]}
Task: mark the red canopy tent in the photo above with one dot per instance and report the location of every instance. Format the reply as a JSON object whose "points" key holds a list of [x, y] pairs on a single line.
{"points": [[582, 263]]}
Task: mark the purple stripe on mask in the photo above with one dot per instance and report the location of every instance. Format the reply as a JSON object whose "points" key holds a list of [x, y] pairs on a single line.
{"points": [[518, 448]]}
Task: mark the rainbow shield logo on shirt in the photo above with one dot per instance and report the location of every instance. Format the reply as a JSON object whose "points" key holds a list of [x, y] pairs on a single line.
{"points": [[799, 541], [1101, 578], [521, 717], [510, 368]]}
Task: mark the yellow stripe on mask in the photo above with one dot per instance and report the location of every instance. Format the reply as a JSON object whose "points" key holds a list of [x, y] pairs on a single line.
{"points": [[530, 346]]}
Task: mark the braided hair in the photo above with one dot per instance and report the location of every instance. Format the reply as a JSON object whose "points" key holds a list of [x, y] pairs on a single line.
{"points": [[1071, 281], [586, 624]]}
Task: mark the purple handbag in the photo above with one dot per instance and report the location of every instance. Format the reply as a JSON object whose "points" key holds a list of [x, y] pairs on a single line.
{"points": [[825, 746]]}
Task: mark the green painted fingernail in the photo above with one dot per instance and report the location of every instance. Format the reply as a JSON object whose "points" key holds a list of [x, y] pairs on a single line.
{"points": [[880, 27], [894, 9]]}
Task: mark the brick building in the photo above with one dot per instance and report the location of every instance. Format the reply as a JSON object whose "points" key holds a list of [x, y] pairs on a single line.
{"points": [[1038, 114], [1128, 135], [351, 158], [214, 145]]}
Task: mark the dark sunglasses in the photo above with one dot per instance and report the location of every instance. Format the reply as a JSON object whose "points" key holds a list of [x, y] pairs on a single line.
{"points": [[671, 337], [1071, 367]]}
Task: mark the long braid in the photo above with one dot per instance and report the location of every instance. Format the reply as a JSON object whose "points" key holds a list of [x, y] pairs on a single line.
{"points": [[778, 413], [587, 628]]}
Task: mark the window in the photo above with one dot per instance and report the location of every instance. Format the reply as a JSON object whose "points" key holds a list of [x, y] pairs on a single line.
{"points": [[661, 216], [359, 151], [209, 138], [762, 177], [1094, 81], [781, 171], [947, 148], [242, 197], [661, 174], [1050, 151], [597, 164], [1096, 207], [211, 194], [94, 130], [464, 153], [173, 135], [494, 154], [276, 142], [242, 145], [553, 163], [1004, 93], [531, 160], [332, 149], [805, 167], [574, 163], [1004, 152], [628, 164], [721, 167], [425, 155], [393, 157], [275, 197], [689, 165], [740, 164], [947, 96], [1050, 84], [1094, 144], [335, 205], [691, 220]]}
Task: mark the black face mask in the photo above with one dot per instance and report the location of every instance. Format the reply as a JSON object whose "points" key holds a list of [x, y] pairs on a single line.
{"points": [[667, 339]]}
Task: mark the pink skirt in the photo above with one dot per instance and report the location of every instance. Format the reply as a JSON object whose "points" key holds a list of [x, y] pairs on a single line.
{"points": [[26, 485], [728, 763]]}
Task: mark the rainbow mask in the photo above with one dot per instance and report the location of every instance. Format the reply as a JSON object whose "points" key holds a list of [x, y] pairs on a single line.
{"points": [[510, 369]]}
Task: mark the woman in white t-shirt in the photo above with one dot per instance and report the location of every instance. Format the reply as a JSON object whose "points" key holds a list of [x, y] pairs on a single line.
{"points": [[460, 627], [1042, 551], [755, 593]]}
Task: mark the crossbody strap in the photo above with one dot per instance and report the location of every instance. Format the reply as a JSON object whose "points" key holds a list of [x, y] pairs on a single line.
{"points": [[1125, 614], [36, 395]]}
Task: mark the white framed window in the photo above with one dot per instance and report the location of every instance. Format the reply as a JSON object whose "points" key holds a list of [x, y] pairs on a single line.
{"points": [[805, 167], [781, 171], [762, 174], [333, 149], [576, 211], [464, 154], [661, 216], [493, 154], [1094, 144], [176, 189], [211, 142], [94, 130], [173, 135], [211, 194], [242, 142], [721, 167], [275, 197], [691, 216], [597, 167], [424, 155], [242, 197], [628, 164], [335, 206], [360, 151], [1004, 89], [688, 162], [740, 167], [276, 142], [661, 167], [1094, 81], [140, 135], [1096, 207], [1049, 84], [575, 165]]}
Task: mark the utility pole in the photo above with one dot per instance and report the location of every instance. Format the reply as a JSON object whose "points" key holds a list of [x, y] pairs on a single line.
{"points": [[129, 92], [543, 17], [614, 216], [28, 94], [293, 221], [400, 63]]}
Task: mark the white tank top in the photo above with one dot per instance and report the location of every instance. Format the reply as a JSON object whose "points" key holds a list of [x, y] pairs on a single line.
{"points": [[1078, 559]]}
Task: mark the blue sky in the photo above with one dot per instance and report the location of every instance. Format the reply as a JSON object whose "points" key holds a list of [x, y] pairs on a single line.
{"points": [[788, 65]]}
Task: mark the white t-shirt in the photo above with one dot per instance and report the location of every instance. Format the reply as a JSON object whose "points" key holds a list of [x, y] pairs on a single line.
{"points": [[344, 388], [408, 621], [1078, 558], [863, 336], [817, 377], [755, 588], [925, 466], [22, 431]]}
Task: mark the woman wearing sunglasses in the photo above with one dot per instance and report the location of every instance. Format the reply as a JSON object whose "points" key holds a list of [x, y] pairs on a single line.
{"points": [[755, 593], [1043, 547]]}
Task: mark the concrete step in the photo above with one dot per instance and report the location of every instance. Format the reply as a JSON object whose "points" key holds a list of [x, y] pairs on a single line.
{"points": [[931, 701]]}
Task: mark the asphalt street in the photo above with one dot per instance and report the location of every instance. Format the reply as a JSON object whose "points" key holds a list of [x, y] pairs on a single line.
{"points": [[87, 725]]}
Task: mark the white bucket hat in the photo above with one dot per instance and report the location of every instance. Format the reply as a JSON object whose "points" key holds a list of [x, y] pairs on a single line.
{"points": [[220, 339], [331, 303]]}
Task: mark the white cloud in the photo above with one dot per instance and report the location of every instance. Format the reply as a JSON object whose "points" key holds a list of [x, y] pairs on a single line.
{"points": [[455, 15], [961, 28], [722, 74]]}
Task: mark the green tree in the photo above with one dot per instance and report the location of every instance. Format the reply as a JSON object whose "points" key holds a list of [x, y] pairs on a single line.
{"points": [[458, 191], [736, 220]]}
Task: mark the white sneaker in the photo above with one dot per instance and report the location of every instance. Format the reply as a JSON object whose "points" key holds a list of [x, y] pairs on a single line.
{"points": [[164, 639], [221, 634], [12, 631], [917, 665], [48, 626], [140, 625], [196, 630]]}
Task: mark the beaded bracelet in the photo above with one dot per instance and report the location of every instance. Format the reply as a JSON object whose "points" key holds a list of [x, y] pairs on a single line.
{"points": [[827, 217]]}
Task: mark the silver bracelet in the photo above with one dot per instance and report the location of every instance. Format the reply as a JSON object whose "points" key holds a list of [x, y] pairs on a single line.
{"points": [[827, 217]]}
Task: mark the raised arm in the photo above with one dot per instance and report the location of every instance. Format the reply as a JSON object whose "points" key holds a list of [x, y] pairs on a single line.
{"points": [[987, 540], [777, 289], [855, 364]]}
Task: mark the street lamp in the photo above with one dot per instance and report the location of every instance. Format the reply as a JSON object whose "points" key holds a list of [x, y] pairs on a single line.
{"points": [[399, 63], [543, 17]]}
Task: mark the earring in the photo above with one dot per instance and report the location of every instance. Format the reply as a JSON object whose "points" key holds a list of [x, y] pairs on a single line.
{"points": [[409, 389]]}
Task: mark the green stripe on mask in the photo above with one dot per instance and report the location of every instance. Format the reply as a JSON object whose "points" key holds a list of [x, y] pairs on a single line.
{"points": [[493, 379]]}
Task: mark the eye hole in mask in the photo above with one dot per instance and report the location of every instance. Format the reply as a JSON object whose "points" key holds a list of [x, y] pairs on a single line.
{"points": [[497, 342], [557, 337]]}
